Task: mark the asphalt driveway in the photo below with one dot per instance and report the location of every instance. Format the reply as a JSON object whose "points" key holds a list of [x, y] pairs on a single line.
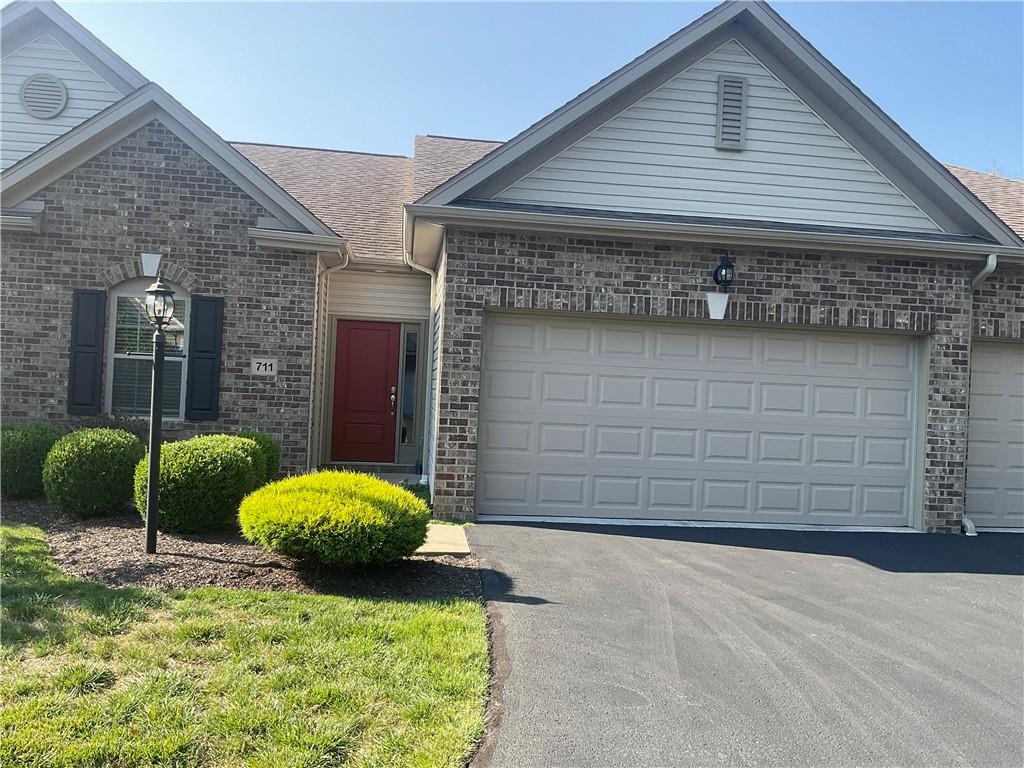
{"points": [[718, 647]]}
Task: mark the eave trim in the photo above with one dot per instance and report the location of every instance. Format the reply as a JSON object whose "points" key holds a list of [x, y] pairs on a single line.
{"points": [[705, 233]]}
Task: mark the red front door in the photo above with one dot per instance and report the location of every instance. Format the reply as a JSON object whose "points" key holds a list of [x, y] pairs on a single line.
{"points": [[365, 391]]}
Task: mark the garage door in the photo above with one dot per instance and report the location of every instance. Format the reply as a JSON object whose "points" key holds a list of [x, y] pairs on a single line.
{"points": [[634, 419], [995, 449]]}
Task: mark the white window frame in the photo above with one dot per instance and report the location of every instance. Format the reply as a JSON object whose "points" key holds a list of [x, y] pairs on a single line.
{"points": [[137, 289]]}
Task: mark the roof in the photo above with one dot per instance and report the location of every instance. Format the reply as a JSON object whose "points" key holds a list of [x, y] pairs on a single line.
{"points": [[1003, 195], [794, 61], [122, 118], [24, 19], [360, 195]]}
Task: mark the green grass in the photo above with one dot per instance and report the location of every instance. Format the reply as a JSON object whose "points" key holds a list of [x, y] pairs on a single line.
{"points": [[93, 676]]}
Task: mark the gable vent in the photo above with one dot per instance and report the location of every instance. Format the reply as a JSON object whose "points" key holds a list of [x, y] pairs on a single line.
{"points": [[732, 112], [44, 96]]}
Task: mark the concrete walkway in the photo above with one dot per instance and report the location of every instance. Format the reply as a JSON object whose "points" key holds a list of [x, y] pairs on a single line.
{"points": [[445, 540], [646, 647]]}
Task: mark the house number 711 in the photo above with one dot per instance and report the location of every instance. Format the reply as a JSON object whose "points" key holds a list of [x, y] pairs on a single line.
{"points": [[264, 366]]}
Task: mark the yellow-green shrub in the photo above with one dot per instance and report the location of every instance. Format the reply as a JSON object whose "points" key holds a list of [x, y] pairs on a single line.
{"points": [[335, 518]]}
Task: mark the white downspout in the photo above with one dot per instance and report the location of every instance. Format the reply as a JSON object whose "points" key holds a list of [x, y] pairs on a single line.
{"points": [[988, 269], [966, 524], [429, 357], [313, 441]]}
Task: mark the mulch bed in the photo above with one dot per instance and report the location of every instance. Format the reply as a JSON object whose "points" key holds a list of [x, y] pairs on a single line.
{"points": [[111, 550]]}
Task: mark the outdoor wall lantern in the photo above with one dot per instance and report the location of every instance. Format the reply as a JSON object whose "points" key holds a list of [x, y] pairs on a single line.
{"points": [[160, 311], [723, 275]]}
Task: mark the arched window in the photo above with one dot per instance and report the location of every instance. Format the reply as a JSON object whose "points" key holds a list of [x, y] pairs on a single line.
{"points": [[130, 352]]}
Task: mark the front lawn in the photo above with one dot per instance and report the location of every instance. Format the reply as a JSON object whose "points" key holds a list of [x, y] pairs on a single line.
{"points": [[95, 676]]}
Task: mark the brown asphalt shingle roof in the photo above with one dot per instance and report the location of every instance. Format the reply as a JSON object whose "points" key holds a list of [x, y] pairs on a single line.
{"points": [[360, 196], [1004, 196]]}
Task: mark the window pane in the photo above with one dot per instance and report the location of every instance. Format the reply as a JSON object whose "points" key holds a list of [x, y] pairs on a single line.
{"points": [[132, 381], [134, 335], [409, 387]]}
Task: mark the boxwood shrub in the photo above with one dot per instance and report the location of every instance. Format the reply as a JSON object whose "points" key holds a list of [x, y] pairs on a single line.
{"points": [[202, 481], [271, 452], [23, 449], [89, 471], [335, 518]]}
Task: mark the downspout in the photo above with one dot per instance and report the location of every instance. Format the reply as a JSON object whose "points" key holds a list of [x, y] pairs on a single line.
{"points": [[966, 524], [313, 441], [429, 346], [988, 269]]}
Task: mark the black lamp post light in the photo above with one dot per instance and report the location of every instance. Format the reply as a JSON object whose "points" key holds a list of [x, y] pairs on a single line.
{"points": [[160, 311], [723, 275]]}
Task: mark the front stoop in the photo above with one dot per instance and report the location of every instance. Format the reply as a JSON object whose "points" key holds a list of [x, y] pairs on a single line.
{"points": [[444, 540]]}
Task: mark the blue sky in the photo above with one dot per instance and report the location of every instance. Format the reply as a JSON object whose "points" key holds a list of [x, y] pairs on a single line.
{"points": [[369, 77]]}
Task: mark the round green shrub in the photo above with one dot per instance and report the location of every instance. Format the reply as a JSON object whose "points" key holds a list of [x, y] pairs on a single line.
{"points": [[23, 449], [89, 471], [256, 456], [271, 453], [335, 518], [202, 481]]}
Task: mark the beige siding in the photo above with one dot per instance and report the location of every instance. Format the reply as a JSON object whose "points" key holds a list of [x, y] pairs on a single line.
{"points": [[88, 93], [379, 295], [659, 156]]}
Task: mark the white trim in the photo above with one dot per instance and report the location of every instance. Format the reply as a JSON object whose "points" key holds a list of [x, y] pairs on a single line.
{"points": [[644, 522], [767, 21], [126, 78], [151, 102], [997, 529], [133, 288], [712, 233], [302, 241], [12, 223]]}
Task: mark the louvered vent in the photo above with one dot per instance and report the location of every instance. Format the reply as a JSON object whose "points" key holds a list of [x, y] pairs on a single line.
{"points": [[44, 96], [732, 112]]}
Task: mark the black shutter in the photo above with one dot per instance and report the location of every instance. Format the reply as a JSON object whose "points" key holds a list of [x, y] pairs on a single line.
{"points": [[85, 374], [202, 390]]}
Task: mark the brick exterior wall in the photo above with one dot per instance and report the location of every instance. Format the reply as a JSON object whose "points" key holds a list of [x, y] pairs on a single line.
{"points": [[151, 193], [999, 305], [491, 271]]}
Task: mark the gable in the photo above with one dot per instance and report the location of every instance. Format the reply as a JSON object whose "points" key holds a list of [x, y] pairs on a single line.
{"points": [[875, 171], [150, 102], [660, 156], [87, 94]]}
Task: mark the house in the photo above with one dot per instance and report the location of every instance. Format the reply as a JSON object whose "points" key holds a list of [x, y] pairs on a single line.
{"points": [[527, 323]]}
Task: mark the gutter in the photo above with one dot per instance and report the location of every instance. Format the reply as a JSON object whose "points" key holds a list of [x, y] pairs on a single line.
{"points": [[27, 217], [740, 236], [302, 241]]}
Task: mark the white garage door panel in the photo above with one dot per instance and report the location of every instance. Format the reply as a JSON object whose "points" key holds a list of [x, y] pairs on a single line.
{"points": [[638, 419], [995, 449]]}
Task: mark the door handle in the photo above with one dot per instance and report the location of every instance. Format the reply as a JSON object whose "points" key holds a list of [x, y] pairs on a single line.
{"points": [[393, 398]]}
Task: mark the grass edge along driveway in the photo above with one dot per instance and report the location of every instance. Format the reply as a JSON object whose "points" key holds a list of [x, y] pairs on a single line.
{"points": [[91, 675]]}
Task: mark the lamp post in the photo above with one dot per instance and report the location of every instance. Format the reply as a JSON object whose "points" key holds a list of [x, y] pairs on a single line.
{"points": [[160, 311]]}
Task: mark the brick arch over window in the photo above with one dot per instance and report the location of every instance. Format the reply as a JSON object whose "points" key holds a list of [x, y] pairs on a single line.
{"points": [[132, 268]]}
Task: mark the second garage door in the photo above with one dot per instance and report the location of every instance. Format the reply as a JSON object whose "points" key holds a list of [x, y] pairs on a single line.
{"points": [[995, 448], [635, 419]]}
